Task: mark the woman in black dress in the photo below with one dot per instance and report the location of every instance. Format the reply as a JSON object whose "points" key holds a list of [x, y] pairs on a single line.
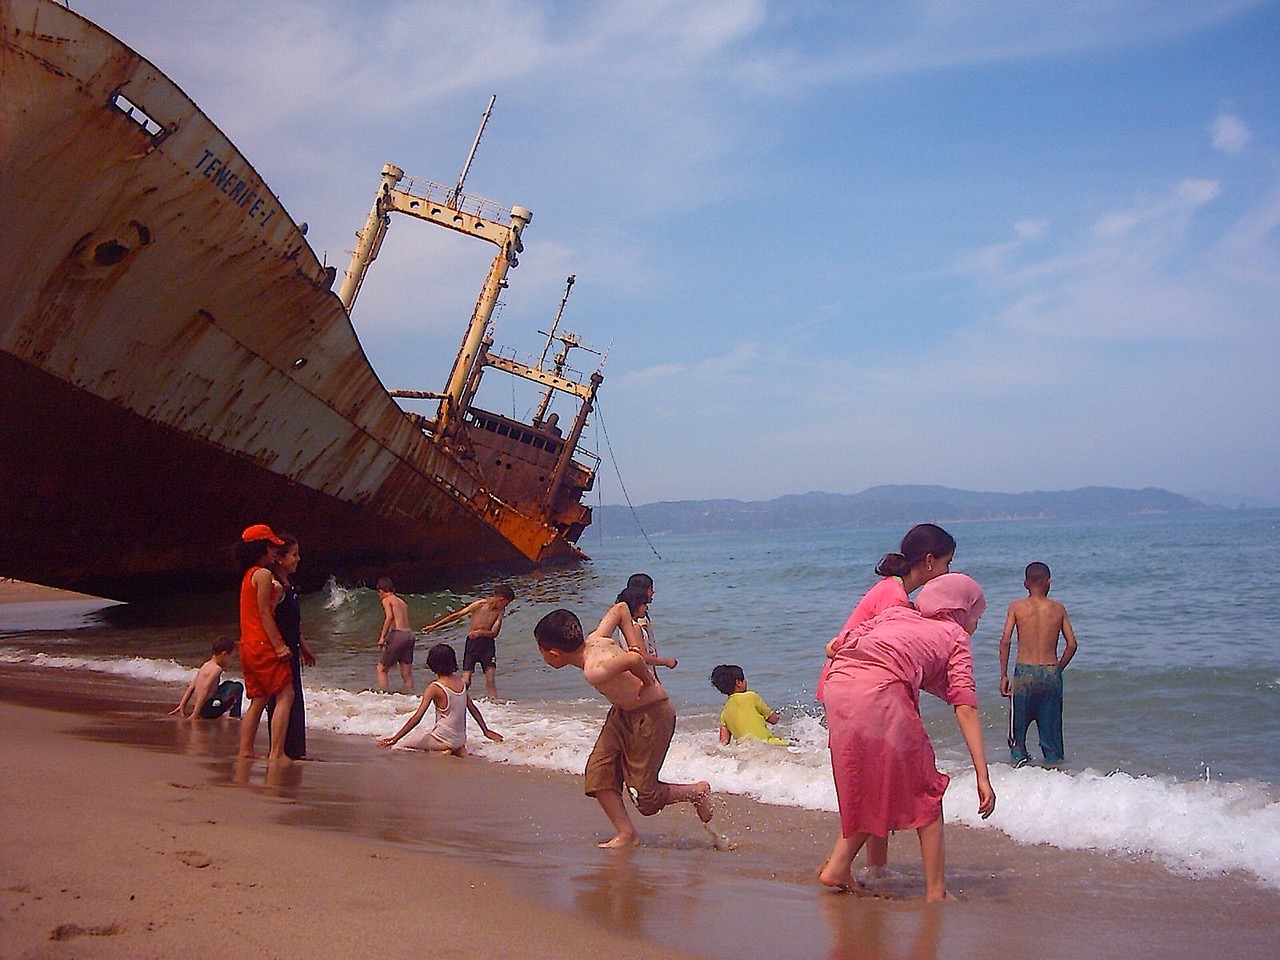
{"points": [[289, 620]]}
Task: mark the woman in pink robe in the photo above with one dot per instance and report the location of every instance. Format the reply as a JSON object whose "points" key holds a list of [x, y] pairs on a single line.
{"points": [[885, 773]]}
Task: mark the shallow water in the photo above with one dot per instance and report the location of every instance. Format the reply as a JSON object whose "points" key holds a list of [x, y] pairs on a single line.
{"points": [[1172, 703]]}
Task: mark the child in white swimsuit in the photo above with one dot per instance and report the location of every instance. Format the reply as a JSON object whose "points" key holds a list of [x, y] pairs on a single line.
{"points": [[449, 694]]}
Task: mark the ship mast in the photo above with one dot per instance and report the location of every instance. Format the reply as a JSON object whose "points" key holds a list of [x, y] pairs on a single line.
{"points": [[446, 207], [560, 358], [370, 238], [456, 192]]}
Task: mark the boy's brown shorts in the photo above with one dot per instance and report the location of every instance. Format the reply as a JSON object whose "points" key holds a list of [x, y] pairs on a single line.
{"points": [[630, 750]]}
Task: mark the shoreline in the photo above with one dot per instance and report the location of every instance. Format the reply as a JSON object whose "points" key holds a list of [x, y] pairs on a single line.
{"points": [[19, 591], [353, 845]]}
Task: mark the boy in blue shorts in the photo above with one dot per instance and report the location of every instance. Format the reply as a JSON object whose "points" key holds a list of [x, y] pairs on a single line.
{"points": [[1036, 687], [482, 632]]}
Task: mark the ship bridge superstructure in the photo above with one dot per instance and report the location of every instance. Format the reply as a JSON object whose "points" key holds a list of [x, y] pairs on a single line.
{"points": [[527, 465]]}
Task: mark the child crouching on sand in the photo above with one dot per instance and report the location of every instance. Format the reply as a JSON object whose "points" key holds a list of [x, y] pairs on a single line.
{"points": [[209, 695], [449, 694], [636, 733]]}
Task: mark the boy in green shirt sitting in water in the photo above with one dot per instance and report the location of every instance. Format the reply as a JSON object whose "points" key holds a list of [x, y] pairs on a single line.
{"points": [[745, 712]]}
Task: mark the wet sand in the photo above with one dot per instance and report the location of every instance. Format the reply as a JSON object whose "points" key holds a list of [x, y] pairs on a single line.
{"points": [[134, 834]]}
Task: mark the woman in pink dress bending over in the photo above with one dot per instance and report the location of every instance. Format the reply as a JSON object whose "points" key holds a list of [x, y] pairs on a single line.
{"points": [[885, 772], [264, 656], [926, 552]]}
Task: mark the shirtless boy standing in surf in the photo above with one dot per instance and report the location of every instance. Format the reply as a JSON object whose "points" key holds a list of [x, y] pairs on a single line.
{"points": [[1037, 678], [395, 642], [481, 650], [637, 732]]}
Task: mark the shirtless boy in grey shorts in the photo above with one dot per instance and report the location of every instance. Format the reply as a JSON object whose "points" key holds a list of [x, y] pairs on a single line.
{"points": [[396, 638]]}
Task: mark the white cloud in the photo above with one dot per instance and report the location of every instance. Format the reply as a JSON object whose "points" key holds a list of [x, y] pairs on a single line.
{"points": [[1169, 210], [1230, 135], [927, 35]]}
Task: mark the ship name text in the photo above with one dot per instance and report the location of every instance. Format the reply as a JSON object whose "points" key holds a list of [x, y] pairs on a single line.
{"points": [[256, 207]]}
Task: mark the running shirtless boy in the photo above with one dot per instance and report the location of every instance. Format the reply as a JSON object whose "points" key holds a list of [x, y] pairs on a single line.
{"points": [[637, 732]]}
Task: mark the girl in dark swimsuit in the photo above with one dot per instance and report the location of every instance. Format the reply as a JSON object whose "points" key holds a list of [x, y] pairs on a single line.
{"points": [[289, 621]]}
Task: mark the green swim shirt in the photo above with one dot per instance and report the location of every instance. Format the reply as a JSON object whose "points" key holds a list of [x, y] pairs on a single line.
{"points": [[744, 715]]}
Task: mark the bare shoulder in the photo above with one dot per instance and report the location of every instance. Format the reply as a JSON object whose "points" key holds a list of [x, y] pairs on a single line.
{"points": [[599, 651], [612, 617], [597, 647]]}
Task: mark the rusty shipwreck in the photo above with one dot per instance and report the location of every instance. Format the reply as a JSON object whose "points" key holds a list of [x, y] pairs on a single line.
{"points": [[176, 363]]}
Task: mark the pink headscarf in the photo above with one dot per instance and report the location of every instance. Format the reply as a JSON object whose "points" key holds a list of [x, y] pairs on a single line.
{"points": [[952, 596]]}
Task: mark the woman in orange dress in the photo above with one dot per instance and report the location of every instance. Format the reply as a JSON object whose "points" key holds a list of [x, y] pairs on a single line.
{"points": [[264, 656]]}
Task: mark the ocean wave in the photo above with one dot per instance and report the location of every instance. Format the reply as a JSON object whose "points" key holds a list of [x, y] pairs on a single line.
{"points": [[141, 668], [1197, 828]]}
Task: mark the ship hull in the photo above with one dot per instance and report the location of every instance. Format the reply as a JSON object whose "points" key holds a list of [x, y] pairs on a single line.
{"points": [[174, 365]]}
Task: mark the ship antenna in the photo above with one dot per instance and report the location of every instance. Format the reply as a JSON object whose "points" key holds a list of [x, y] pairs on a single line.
{"points": [[559, 313], [456, 192]]}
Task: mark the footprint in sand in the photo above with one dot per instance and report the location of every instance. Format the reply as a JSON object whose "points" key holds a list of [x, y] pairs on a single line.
{"points": [[69, 931], [194, 858]]}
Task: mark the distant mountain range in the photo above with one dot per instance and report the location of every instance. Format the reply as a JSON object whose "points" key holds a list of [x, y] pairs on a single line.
{"points": [[887, 504]]}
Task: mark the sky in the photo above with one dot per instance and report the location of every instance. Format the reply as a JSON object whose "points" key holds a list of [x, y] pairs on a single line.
{"points": [[819, 245]]}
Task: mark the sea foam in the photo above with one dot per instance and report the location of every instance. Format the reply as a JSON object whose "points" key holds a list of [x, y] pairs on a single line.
{"points": [[1194, 828]]}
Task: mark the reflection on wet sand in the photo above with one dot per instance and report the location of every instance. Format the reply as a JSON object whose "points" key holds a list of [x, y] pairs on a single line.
{"points": [[874, 928], [280, 777]]}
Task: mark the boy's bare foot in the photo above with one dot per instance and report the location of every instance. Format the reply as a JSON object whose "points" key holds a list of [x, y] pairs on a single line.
{"points": [[702, 801], [621, 841]]}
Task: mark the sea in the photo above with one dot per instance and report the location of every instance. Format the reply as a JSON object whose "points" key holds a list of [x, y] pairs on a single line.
{"points": [[1172, 704]]}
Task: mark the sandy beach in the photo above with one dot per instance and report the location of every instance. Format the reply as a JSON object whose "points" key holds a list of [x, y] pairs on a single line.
{"points": [[134, 834], [19, 591]]}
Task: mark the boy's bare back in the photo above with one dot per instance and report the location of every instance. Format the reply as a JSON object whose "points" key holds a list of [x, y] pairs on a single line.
{"points": [[1039, 622], [200, 690], [206, 682], [397, 613]]}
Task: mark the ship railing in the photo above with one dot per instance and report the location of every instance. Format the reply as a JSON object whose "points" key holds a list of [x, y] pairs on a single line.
{"points": [[462, 202], [565, 373]]}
